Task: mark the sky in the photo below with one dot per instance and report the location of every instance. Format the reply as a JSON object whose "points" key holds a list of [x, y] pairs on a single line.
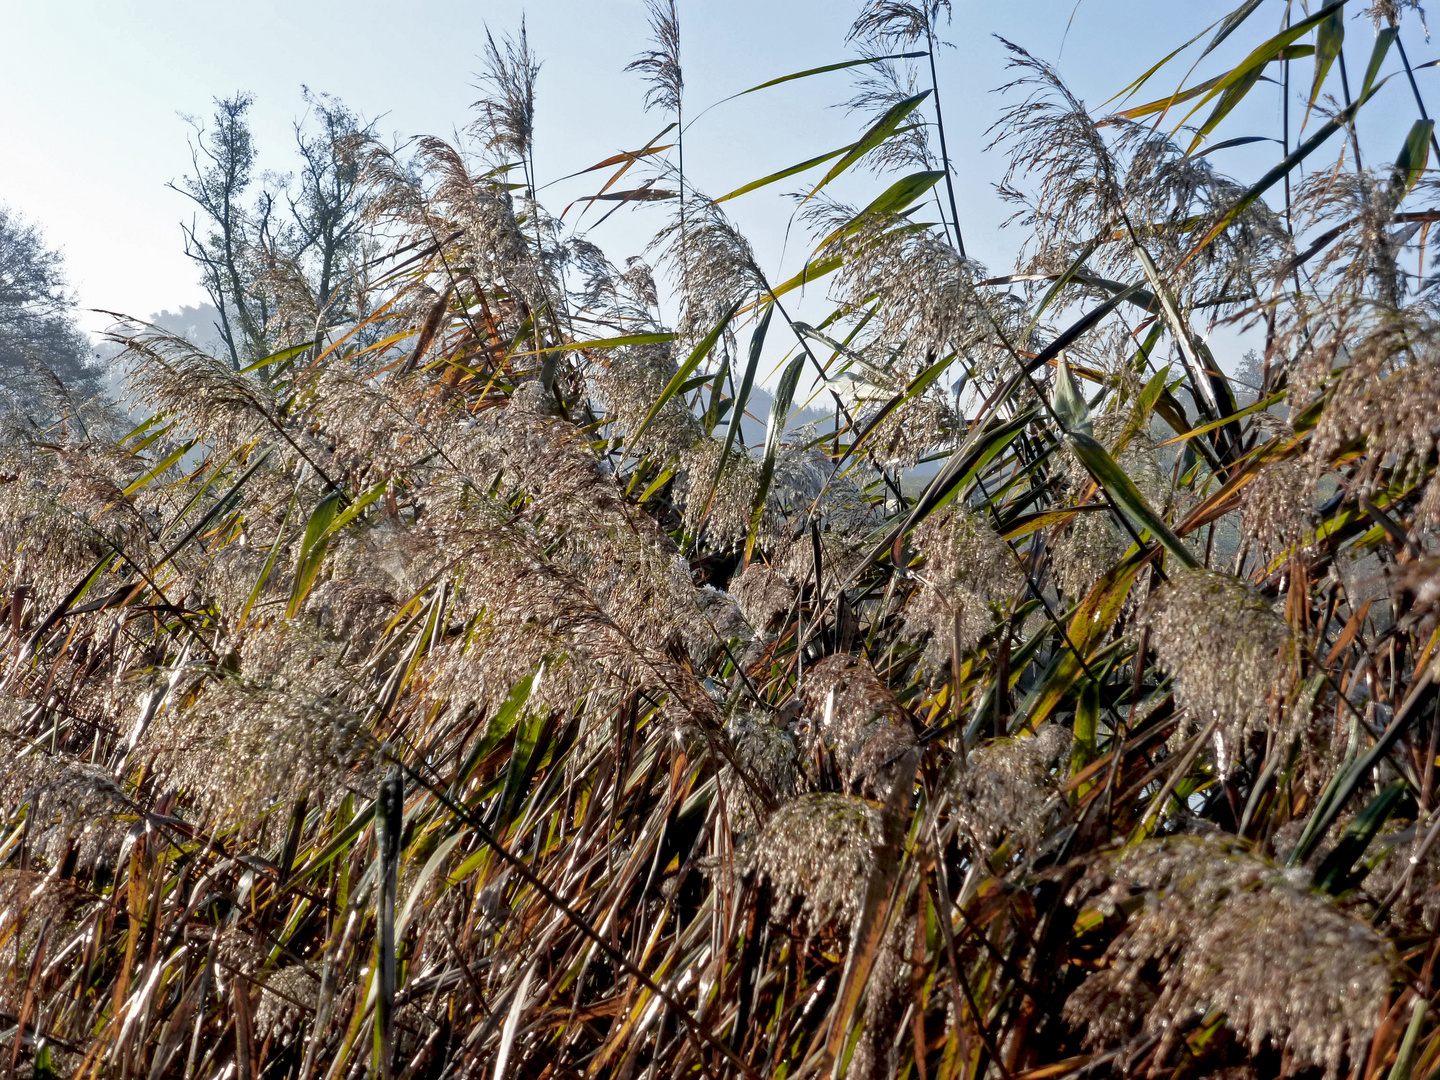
{"points": [[95, 93]]}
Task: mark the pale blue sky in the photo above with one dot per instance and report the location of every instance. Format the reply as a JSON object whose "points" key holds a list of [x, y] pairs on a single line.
{"points": [[89, 131]]}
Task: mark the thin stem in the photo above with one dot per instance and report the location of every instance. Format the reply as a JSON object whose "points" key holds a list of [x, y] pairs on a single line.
{"points": [[1285, 134], [940, 127], [1415, 89], [1345, 86]]}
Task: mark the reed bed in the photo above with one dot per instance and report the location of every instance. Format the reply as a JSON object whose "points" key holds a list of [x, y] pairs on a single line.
{"points": [[455, 693]]}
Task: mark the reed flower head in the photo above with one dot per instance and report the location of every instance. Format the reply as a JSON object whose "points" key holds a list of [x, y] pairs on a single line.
{"points": [[1389, 11], [1387, 395], [627, 384], [726, 516], [1007, 791], [507, 110], [1277, 505], [1087, 181], [712, 264], [660, 65], [1088, 548], [763, 594], [817, 852], [278, 734], [855, 716], [920, 289], [969, 572], [288, 995], [892, 24], [1233, 658], [43, 545], [1221, 931], [1364, 259], [171, 376], [30, 902], [768, 753], [74, 808]]}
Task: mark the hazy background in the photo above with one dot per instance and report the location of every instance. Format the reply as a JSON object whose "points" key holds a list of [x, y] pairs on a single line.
{"points": [[92, 130]]}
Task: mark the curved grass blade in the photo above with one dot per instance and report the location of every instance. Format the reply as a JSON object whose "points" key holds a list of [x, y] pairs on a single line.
{"points": [[1243, 140], [1383, 40], [312, 549], [625, 157], [356, 508], [808, 163], [685, 370], [1068, 402], [841, 66], [521, 766], [774, 430], [417, 887], [1229, 98], [500, 725], [169, 459], [714, 407], [1127, 496], [894, 199], [1086, 631], [957, 475], [1160, 105], [1333, 875], [278, 357], [1231, 23], [1249, 69], [603, 343], [1329, 40], [881, 130], [742, 396], [1413, 157]]}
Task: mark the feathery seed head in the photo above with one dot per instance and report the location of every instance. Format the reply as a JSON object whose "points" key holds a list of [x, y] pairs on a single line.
{"points": [[1277, 505], [28, 902], [627, 384], [817, 851], [890, 24], [1223, 931], [660, 66], [726, 519], [73, 807], [169, 375], [712, 264], [288, 995], [968, 573], [1389, 11], [766, 752], [280, 733], [1388, 395], [854, 715], [1007, 791], [1233, 658], [507, 111], [763, 594]]}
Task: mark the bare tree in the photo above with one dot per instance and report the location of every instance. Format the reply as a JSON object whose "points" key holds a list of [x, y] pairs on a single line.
{"points": [[328, 207], [224, 161], [279, 268]]}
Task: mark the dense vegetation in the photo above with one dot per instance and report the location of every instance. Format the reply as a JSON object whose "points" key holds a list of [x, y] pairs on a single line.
{"points": [[450, 690]]}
